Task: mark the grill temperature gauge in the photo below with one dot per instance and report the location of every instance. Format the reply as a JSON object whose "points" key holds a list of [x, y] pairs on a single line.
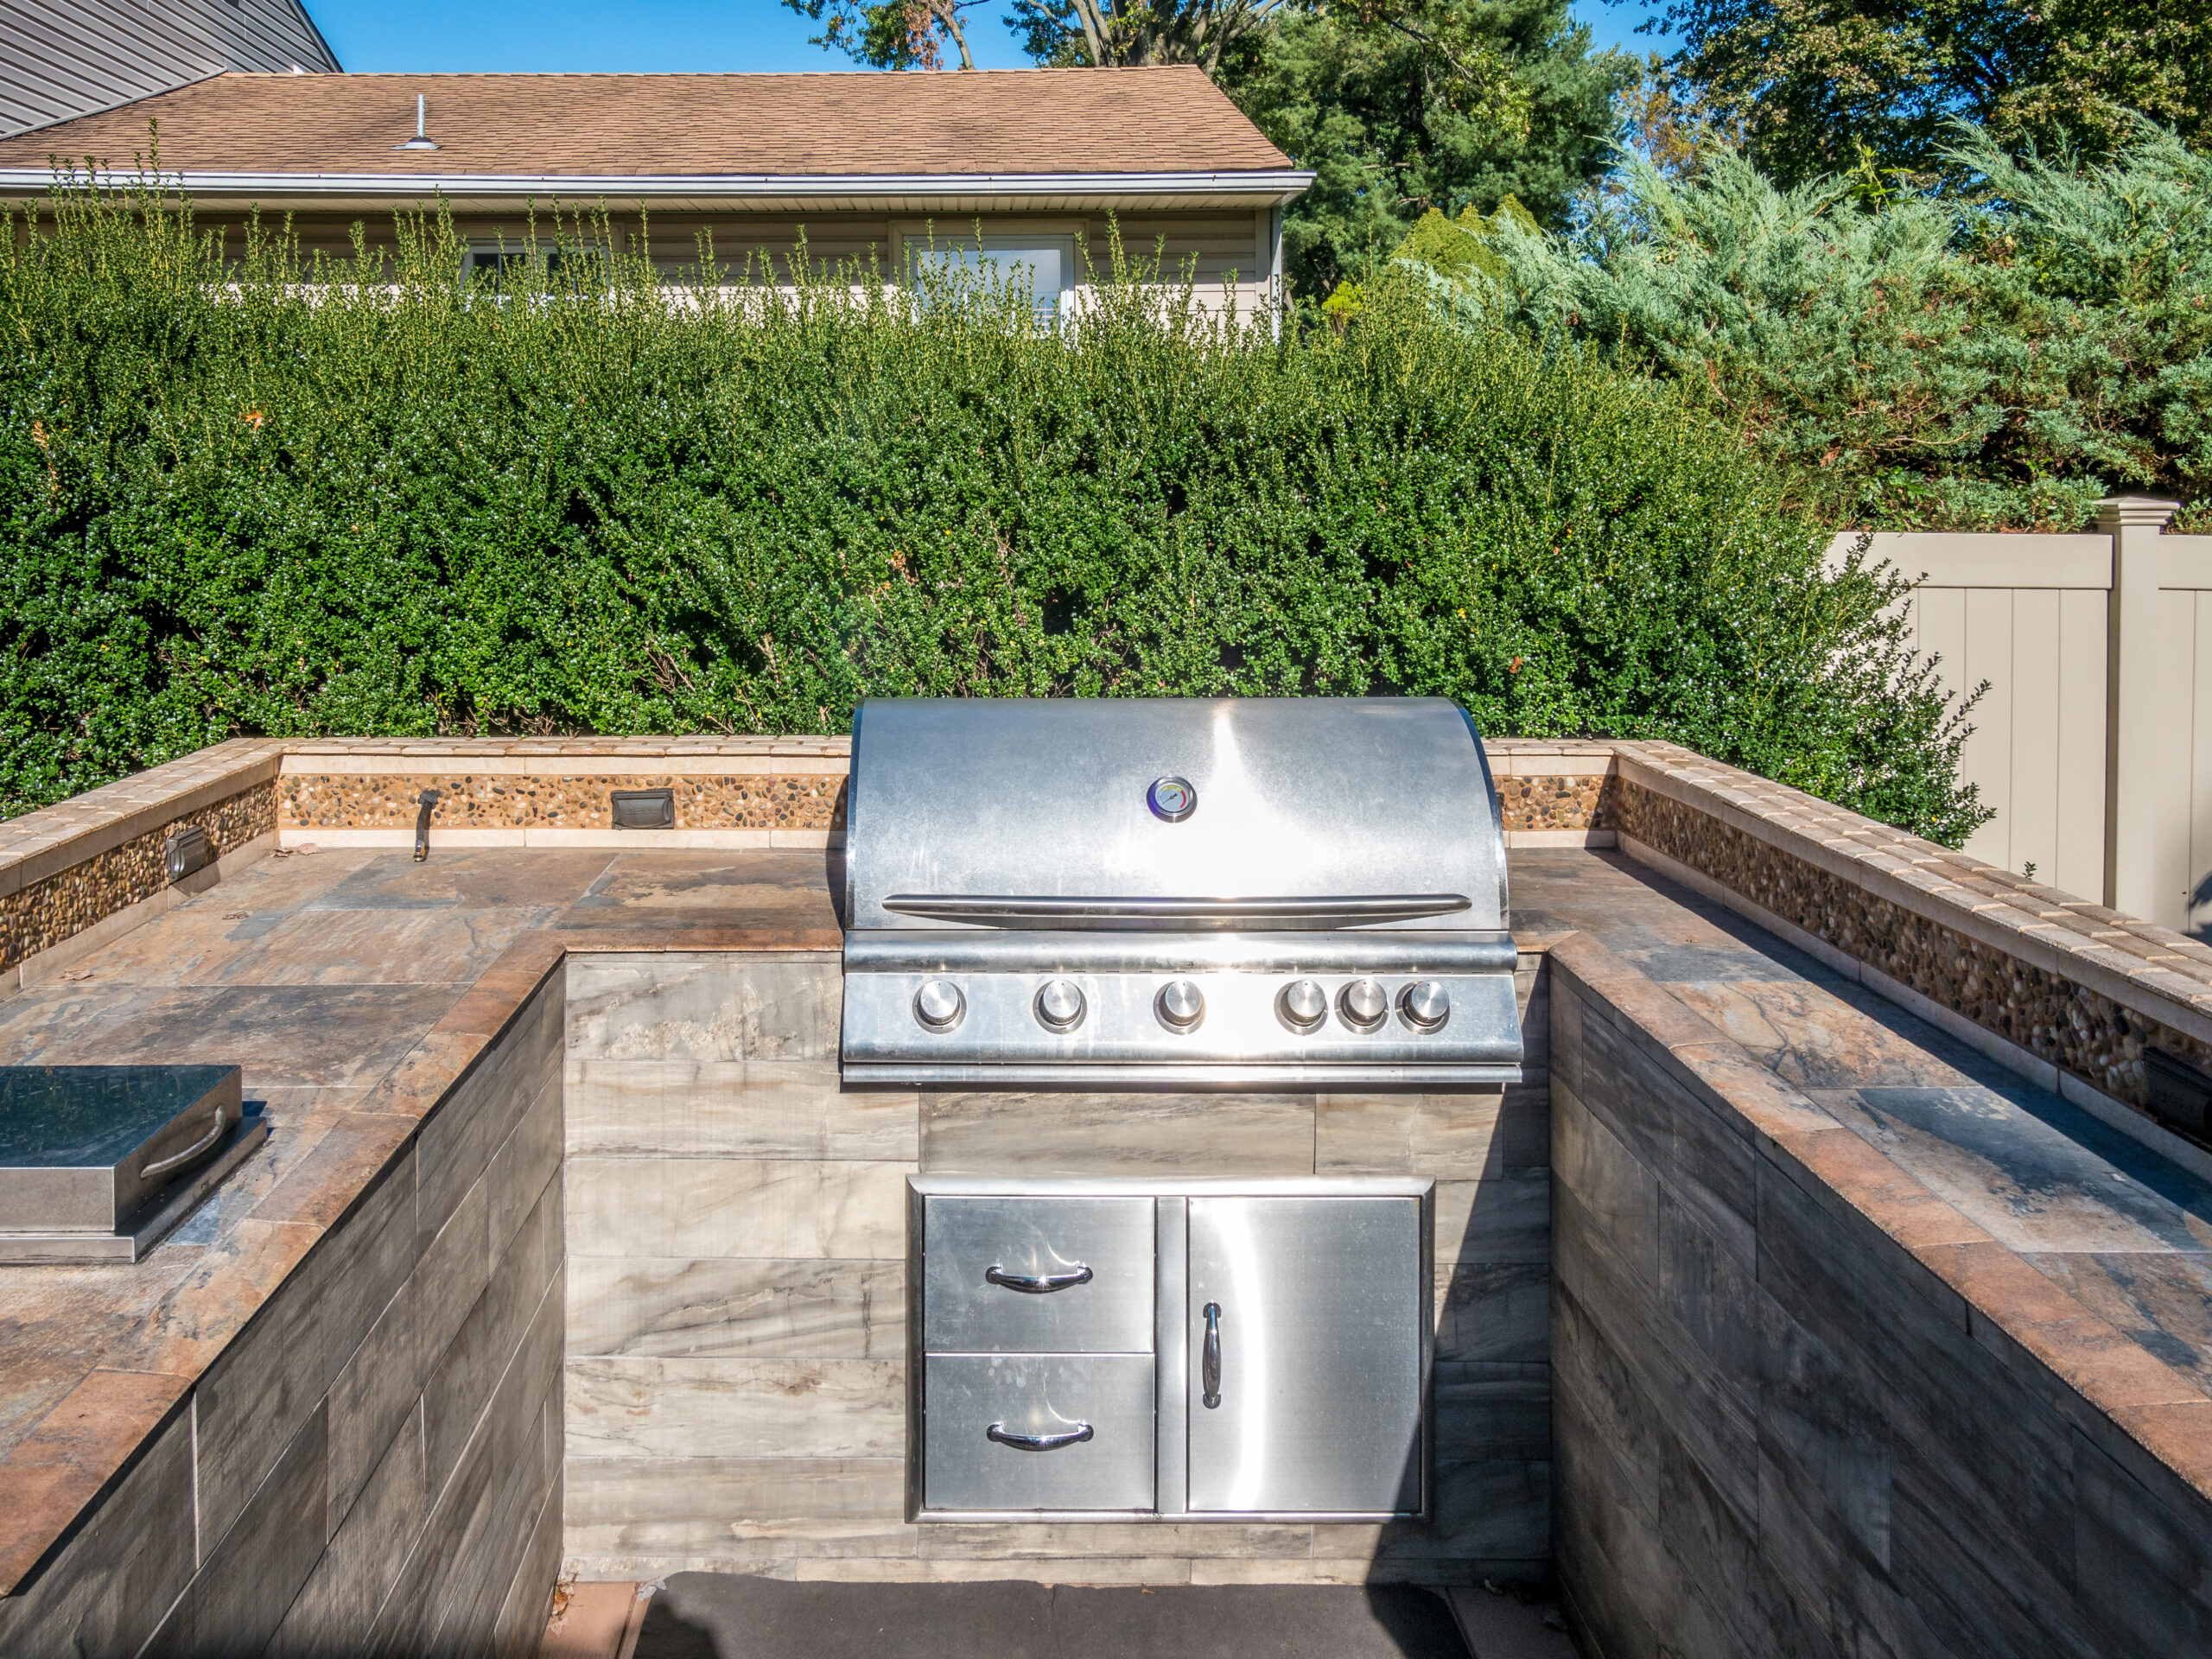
{"points": [[1171, 799]]}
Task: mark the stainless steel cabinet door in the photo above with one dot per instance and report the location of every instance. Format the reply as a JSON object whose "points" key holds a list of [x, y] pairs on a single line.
{"points": [[1312, 1348], [1037, 1275], [1037, 1432]]}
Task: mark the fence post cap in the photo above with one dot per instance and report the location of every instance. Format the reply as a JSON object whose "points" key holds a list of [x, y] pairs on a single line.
{"points": [[2134, 512]]}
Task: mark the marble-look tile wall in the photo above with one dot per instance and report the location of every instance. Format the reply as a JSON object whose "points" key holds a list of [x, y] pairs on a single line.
{"points": [[735, 1371], [372, 1464], [736, 1355]]}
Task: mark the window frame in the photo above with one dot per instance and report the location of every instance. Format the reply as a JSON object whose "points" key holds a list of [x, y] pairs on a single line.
{"points": [[550, 257], [1067, 240]]}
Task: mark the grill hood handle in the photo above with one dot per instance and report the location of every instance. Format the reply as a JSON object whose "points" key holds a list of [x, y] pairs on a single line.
{"points": [[1054, 910]]}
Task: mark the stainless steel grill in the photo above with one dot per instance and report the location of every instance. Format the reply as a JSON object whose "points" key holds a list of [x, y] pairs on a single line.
{"points": [[1183, 892]]}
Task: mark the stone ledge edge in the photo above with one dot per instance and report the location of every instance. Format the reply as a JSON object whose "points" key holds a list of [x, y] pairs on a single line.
{"points": [[419, 1084], [1785, 1131]]}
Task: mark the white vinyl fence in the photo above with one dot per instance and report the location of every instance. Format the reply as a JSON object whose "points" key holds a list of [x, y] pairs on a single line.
{"points": [[2093, 741]]}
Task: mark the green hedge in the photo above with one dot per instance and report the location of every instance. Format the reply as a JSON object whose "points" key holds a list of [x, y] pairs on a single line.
{"points": [[247, 497]]}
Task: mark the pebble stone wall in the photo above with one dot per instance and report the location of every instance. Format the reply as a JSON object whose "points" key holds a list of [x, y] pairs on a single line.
{"points": [[43, 914], [1532, 801], [505, 800]]}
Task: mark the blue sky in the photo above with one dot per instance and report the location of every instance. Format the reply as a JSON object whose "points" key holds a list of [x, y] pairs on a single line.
{"points": [[425, 35]]}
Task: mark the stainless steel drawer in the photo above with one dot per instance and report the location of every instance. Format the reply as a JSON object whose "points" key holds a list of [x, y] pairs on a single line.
{"points": [[1037, 1275], [1009, 1431]]}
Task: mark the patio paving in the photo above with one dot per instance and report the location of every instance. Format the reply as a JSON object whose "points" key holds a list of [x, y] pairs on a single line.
{"points": [[717, 1615]]}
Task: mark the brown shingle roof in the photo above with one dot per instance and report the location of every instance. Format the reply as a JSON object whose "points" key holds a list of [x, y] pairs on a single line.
{"points": [[1008, 121]]}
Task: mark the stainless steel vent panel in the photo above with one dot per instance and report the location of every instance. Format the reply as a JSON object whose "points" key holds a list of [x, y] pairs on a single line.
{"points": [[1316, 799]]}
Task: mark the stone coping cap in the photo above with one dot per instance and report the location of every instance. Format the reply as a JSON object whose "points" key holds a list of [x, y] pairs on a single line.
{"points": [[37, 844], [82, 1448], [2113, 1389], [561, 746], [2148, 970]]}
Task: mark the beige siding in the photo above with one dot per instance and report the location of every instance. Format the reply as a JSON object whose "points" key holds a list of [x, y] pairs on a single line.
{"points": [[1216, 244]]}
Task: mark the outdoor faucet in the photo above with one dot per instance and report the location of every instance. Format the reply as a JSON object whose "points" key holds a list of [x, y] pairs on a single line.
{"points": [[428, 800]]}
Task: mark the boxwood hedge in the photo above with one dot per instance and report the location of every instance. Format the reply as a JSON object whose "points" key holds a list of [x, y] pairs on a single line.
{"points": [[247, 494]]}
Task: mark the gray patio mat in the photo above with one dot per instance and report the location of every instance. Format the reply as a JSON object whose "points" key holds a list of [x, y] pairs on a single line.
{"points": [[714, 1616]]}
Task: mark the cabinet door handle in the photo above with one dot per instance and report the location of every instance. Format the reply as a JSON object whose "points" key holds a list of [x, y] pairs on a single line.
{"points": [[1210, 1366], [1074, 1436], [166, 1165], [1039, 1284]]}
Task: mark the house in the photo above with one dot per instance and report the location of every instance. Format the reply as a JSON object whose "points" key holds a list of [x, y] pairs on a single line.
{"points": [[863, 166], [64, 58]]}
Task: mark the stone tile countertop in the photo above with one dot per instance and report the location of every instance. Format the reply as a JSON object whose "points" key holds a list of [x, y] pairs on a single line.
{"points": [[355, 987], [2125, 1232]]}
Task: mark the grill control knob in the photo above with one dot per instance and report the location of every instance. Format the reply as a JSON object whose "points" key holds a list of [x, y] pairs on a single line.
{"points": [[1180, 1005], [939, 1005], [1424, 1004], [1059, 1005], [1303, 1005], [1362, 1005]]}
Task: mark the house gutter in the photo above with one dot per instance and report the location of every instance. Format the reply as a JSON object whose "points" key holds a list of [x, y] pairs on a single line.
{"points": [[1274, 187]]}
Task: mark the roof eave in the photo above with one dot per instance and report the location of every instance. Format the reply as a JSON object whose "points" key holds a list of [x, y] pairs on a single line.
{"points": [[1267, 188]]}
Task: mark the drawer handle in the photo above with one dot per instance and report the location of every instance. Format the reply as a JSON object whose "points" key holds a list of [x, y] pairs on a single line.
{"points": [[1074, 1436], [1039, 1284], [1209, 1364]]}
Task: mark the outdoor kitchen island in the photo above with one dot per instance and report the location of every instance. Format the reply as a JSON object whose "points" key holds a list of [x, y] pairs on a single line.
{"points": [[1759, 1300]]}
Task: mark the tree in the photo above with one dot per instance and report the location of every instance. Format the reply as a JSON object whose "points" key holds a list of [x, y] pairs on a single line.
{"points": [[1830, 85], [1911, 360], [893, 33], [1453, 105], [1114, 32], [1671, 123]]}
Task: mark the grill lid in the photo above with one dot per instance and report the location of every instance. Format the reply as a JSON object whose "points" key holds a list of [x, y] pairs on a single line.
{"points": [[1182, 813]]}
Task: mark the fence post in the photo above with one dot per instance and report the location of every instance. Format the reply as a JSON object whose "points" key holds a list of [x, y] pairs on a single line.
{"points": [[2134, 726]]}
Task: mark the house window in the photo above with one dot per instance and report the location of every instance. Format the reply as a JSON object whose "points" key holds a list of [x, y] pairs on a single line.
{"points": [[493, 263], [562, 267], [1041, 266]]}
